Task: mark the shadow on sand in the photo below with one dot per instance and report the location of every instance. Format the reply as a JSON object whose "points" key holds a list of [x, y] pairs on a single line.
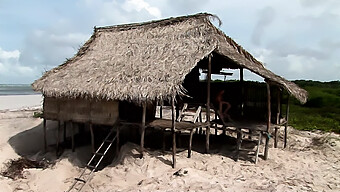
{"points": [[29, 144]]}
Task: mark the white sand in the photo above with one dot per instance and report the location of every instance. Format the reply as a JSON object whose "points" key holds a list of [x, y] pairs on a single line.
{"points": [[14, 102], [310, 163]]}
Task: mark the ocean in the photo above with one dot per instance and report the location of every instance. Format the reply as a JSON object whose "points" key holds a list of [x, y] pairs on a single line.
{"points": [[17, 89]]}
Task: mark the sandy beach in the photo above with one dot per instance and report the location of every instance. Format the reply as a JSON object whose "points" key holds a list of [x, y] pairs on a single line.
{"points": [[310, 163]]}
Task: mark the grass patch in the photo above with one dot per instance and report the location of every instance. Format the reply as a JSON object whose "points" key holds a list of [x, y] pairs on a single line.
{"points": [[322, 110]]}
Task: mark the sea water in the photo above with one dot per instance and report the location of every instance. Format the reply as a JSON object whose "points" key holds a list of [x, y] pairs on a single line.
{"points": [[17, 89]]}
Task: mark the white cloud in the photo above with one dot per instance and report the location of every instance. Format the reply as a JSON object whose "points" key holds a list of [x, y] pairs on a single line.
{"points": [[11, 67], [139, 5]]}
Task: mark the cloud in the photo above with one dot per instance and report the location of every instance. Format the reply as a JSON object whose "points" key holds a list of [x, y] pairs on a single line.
{"points": [[11, 67], [138, 5], [266, 17]]}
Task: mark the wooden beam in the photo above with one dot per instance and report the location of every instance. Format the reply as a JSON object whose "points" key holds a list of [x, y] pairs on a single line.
{"points": [[173, 127], [45, 139], [266, 149], [208, 106], [286, 124], [143, 129], [92, 138]]}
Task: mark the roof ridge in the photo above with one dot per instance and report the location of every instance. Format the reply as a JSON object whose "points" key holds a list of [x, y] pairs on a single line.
{"points": [[160, 22]]}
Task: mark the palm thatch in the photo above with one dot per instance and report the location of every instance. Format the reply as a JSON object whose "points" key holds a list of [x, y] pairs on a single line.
{"points": [[147, 61]]}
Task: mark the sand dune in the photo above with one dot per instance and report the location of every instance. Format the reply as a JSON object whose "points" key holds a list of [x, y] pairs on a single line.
{"points": [[310, 163]]}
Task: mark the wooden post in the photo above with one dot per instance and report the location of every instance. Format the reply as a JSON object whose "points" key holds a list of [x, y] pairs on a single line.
{"points": [[268, 122], [173, 127], [72, 130], [242, 90], [190, 142], [286, 124], [92, 138], [143, 129], [277, 116], [117, 144], [58, 137], [161, 111], [45, 139], [208, 106], [64, 139]]}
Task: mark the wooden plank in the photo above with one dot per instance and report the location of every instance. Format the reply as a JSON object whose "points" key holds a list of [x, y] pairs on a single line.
{"points": [[143, 129], [45, 139], [286, 124], [173, 127], [266, 149], [208, 106]]}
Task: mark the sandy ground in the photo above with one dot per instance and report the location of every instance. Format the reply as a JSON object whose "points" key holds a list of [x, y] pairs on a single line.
{"points": [[310, 163]]}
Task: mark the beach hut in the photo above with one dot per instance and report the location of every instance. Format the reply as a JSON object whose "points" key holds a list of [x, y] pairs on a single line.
{"points": [[141, 63]]}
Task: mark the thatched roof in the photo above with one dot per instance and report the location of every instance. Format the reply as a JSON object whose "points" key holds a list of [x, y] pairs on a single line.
{"points": [[147, 61]]}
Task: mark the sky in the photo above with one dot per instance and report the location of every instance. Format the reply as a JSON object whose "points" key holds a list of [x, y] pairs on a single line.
{"points": [[296, 39]]}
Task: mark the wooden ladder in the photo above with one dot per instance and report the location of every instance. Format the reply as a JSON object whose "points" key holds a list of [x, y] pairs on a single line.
{"points": [[184, 112], [92, 165]]}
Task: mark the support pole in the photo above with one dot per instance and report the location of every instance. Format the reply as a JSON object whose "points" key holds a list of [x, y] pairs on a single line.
{"points": [[58, 137], [92, 138], [190, 142], [45, 139], [208, 106], [64, 139], [117, 144], [143, 129], [277, 116], [286, 124], [173, 127], [242, 90], [72, 129], [161, 111], [266, 149]]}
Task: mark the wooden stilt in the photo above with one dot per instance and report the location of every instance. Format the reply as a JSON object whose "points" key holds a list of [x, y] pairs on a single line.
{"points": [[163, 147], [45, 137], [242, 91], [64, 132], [239, 143], [92, 138], [173, 127], [266, 149], [143, 130], [58, 137], [286, 124], [277, 117], [72, 130], [161, 111], [117, 144], [208, 106], [276, 135], [190, 142]]}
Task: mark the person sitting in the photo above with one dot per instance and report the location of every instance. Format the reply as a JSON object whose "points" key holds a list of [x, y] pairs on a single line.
{"points": [[220, 104]]}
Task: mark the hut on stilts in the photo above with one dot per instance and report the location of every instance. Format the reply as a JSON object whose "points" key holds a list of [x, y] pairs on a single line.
{"points": [[126, 69]]}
